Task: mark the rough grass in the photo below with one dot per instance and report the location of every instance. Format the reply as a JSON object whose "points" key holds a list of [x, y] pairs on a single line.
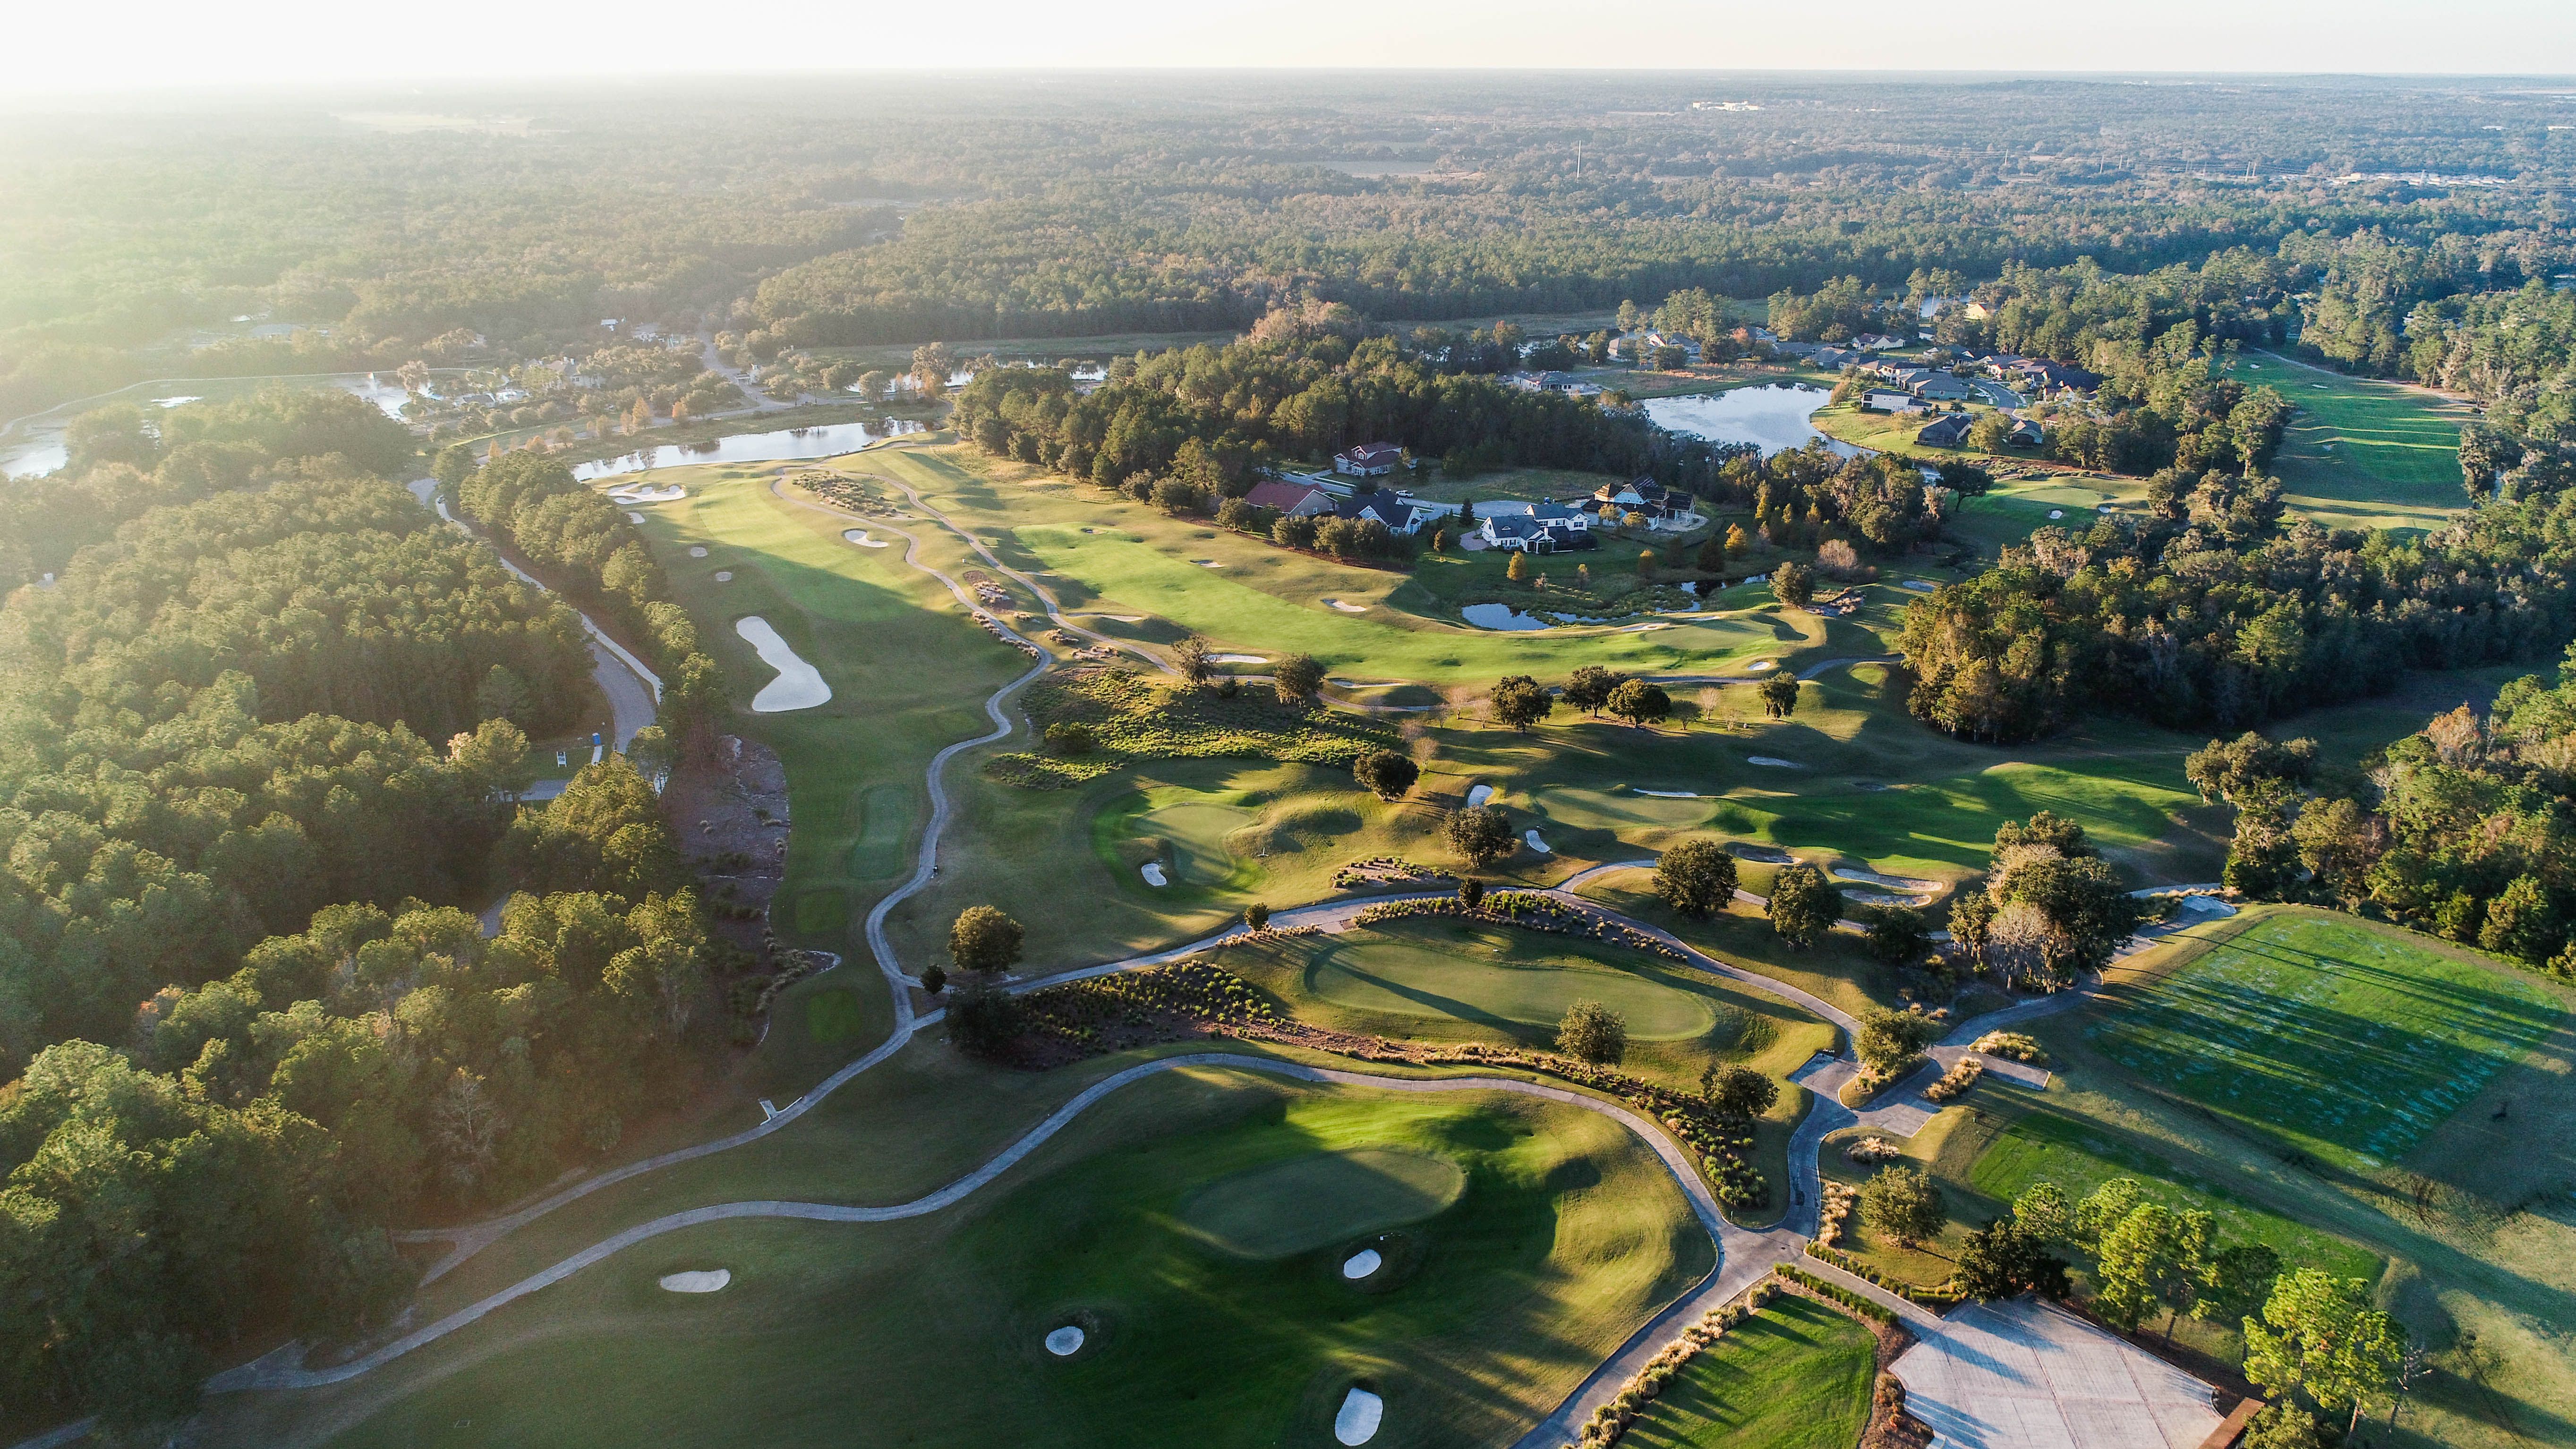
{"points": [[1794, 1376], [1567, 1236], [2337, 1040]]}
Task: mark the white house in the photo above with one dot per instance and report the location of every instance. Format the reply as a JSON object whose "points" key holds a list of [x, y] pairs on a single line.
{"points": [[1368, 460]]}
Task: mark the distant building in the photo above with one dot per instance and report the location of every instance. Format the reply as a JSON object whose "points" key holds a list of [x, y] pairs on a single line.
{"points": [[1295, 500], [1645, 496], [1940, 387], [2052, 377], [1877, 342], [1368, 460], [2025, 434], [1520, 534], [1396, 510], [1948, 431], [1553, 515], [1892, 402]]}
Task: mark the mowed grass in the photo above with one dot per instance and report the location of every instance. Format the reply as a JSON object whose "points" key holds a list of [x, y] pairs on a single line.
{"points": [[1794, 1376], [1304, 1203], [1564, 1234], [2361, 453], [2344, 1042]]}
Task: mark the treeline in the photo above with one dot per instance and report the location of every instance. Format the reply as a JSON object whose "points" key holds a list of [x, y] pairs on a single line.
{"points": [[2206, 613], [1303, 385], [2466, 829], [245, 1025], [585, 546]]}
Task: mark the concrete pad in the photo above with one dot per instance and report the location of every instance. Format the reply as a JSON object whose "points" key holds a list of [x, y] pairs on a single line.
{"points": [[2030, 1375]]}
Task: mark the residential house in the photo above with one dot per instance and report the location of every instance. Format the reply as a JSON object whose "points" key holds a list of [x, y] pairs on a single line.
{"points": [[1368, 460], [2025, 434], [2043, 378], [1947, 431], [1554, 515], [1940, 387], [1520, 534], [1877, 342], [1892, 402], [1396, 510], [1295, 500], [1644, 495]]}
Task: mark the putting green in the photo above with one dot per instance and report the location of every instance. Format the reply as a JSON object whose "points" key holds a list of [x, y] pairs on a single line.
{"points": [[2341, 1040], [1304, 1203], [1616, 810], [1197, 836], [1400, 977]]}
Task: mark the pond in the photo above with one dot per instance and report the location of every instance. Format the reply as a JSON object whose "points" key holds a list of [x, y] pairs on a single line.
{"points": [[34, 445], [1501, 616], [1772, 417], [784, 445]]}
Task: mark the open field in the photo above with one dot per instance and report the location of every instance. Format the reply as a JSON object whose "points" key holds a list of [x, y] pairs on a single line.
{"points": [[1523, 1242], [1794, 1376], [2362, 453]]}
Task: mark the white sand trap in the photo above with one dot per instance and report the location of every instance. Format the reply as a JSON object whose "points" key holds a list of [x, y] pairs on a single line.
{"points": [[724, 576], [697, 550], [1208, 563], [1531, 836], [1346, 608], [1357, 1422], [639, 493], [704, 1280], [634, 517], [1115, 618], [1065, 1342], [1479, 796], [860, 537], [1361, 1264], [1923, 586], [1239, 658], [1763, 666], [1154, 874], [1892, 882], [1671, 794], [799, 685], [1773, 762], [2056, 513]]}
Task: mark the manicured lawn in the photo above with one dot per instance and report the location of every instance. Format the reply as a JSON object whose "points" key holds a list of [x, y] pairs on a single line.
{"points": [[2363, 453], [2333, 1038], [1794, 1376], [1534, 1238]]}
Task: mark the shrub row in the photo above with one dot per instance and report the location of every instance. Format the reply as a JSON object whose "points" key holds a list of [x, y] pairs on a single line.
{"points": [[2013, 1046], [1933, 1298], [1612, 1419], [1528, 910], [1956, 1080]]}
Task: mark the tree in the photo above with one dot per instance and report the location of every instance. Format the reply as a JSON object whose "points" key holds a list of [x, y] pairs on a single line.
{"points": [[1888, 1040], [1739, 1091], [455, 463], [1256, 916], [2043, 1212], [1904, 1205], [1588, 688], [1696, 878], [2236, 1282], [1296, 678], [1711, 558], [1194, 659], [1640, 703], [934, 978], [2153, 1257], [504, 696], [1519, 701], [1387, 774], [1972, 917], [932, 365], [2283, 1426], [1897, 934], [1481, 834], [984, 1018], [1779, 695], [2004, 1259], [1518, 570], [1793, 584], [984, 939], [1803, 905], [1593, 1032], [2101, 1210], [1471, 893], [1645, 557], [2317, 1334]]}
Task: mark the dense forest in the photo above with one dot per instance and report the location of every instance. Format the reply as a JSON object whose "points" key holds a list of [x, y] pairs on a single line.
{"points": [[259, 739]]}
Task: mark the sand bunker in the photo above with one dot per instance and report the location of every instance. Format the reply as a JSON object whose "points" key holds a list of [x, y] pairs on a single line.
{"points": [[1208, 563], [1669, 794], [1361, 1264], [1763, 666], [703, 1280], [1346, 608], [860, 537], [1115, 618], [1923, 586], [799, 685], [1239, 658], [1892, 882], [1773, 762], [2056, 513], [1065, 1342], [641, 493], [724, 576], [1479, 795], [1357, 1422], [697, 550], [634, 517], [1154, 874], [1531, 836]]}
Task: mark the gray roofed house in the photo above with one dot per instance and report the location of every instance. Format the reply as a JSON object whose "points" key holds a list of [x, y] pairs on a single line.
{"points": [[1948, 431]]}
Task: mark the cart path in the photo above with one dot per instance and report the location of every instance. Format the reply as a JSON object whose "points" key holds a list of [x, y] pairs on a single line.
{"points": [[1737, 1247]]}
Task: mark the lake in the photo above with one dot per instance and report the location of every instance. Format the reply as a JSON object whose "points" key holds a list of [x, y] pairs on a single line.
{"points": [[1772, 417], [35, 445], [783, 445]]}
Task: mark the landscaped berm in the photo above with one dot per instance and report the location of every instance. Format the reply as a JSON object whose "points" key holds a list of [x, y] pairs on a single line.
{"points": [[1196, 1229]]}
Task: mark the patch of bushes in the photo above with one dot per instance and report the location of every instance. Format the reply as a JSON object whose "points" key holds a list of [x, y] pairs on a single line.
{"points": [[1530, 911], [1126, 715], [1956, 1081], [2013, 1046]]}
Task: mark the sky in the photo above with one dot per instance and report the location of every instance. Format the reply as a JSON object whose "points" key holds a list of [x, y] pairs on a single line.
{"points": [[158, 45]]}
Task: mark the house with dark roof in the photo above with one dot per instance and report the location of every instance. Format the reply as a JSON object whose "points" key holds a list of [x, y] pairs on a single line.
{"points": [[1521, 534], [1554, 515], [1940, 387], [1368, 460], [2025, 434], [1947, 431], [1295, 500], [2048, 377], [1396, 510]]}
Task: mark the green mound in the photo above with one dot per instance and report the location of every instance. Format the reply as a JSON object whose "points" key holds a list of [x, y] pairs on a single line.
{"points": [[1412, 980], [1304, 1203], [1196, 835], [2343, 1041]]}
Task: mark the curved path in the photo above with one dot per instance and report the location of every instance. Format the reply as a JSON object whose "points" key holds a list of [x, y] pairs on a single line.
{"points": [[1734, 1243]]}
